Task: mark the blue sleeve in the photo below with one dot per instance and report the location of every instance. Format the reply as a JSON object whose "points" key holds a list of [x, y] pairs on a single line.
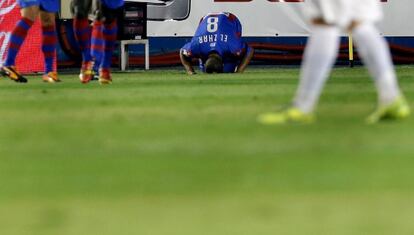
{"points": [[236, 48], [248, 49], [236, 45], [191, 49], [238, 27], [186, 49]]}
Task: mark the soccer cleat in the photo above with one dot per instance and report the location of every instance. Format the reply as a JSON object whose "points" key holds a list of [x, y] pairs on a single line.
{"points": [[95, 76], [95, 69], [51, 77], [13, 74], [86, 73], [399, 109], [105, 76], [290, 115]]}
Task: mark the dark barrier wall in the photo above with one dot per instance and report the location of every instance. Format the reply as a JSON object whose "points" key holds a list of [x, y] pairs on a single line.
{"points": [[269, 51]]}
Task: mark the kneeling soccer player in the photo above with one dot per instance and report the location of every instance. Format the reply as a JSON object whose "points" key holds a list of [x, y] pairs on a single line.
{"points": [[329, 18], [96, 43], [30, 10], [218, 45]]}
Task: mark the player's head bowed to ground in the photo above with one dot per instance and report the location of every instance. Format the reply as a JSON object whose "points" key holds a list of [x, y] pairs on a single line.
{"points": [[97, 43], [31, 9], [329, 18], [218, 46]]}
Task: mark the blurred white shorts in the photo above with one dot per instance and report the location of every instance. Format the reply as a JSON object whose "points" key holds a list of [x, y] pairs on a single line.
{"points": [[343, 12]]}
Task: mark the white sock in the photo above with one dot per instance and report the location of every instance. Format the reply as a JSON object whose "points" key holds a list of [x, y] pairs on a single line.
{"points": [[376, 55], [320, 55]]}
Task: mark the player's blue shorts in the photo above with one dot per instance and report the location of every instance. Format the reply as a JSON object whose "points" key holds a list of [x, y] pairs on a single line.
{"points": [[45, 5], [113, 4]]}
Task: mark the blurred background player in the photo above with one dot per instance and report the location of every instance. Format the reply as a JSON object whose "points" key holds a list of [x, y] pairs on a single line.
{"points": [[97, 42], [329, 18], [218, 45], [30, 10]]}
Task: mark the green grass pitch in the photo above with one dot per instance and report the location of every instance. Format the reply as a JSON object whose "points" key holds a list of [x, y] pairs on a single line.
{"points": [[161, 153]]}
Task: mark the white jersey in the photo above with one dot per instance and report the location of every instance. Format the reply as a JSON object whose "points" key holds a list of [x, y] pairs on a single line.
{"points": [[343, 12]]}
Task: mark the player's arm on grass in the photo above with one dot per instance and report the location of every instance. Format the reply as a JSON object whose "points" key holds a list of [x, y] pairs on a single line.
{"points": [[245, 60], [186, 61]]}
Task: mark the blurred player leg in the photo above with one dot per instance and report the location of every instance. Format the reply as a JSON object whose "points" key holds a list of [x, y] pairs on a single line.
{"points": [[29, 13], [107, 16], [319, 57], [321, 53], [49, 44], [97, 46], [110, 33], [82, 28], [376, 56]]}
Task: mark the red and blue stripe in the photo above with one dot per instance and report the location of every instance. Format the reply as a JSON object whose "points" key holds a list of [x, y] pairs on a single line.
{"points": [[17, 38], [110, 32], [82, 31], [49, 42], [98, 42]]}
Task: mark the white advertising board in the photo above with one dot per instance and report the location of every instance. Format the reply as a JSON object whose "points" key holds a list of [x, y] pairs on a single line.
{"points": [[265, 18]]}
